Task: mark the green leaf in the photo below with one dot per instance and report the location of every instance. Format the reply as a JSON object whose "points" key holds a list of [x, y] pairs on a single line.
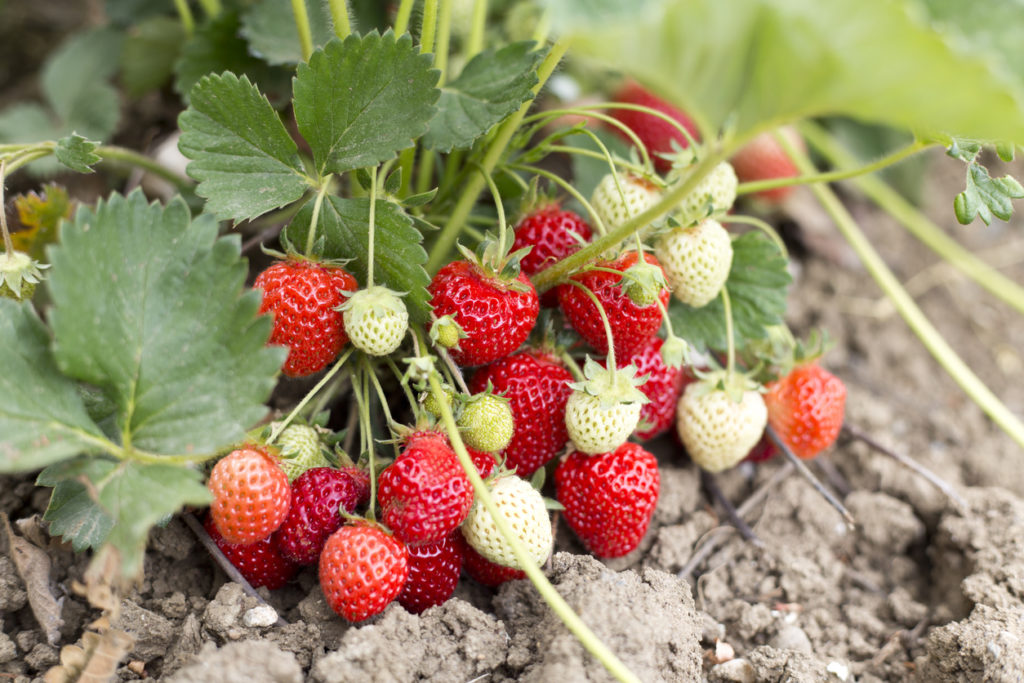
{"points": [[242, 156], [360, 101], [150, 50], [217, 47], [269, 26], [493, 85], [26, 122], [119, 504], [754, 64], [398, 258], [986, 196], [577, 14], [989, 27], [42, 418], [74, 81], [77, 153], [149, 306], [757, 286]]}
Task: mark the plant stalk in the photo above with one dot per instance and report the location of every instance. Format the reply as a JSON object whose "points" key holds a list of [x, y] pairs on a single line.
{"points": [[302, 26]]}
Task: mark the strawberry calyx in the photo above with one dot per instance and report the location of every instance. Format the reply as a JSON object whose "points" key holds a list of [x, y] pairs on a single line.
{"points": [[446, 332], [19, 275], [497, 263], [613, 386], [734, 384]]}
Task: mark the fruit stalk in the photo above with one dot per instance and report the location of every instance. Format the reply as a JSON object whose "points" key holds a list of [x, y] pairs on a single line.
{"points": [[302, 26], [339, 15], [306, 399], [533, 572]]}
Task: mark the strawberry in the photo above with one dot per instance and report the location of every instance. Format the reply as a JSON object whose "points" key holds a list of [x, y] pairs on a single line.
{"points": [[304, 297], [654, 132], [486, 422], [806, 409], [696, 260], [763, 450], [318, 497], [250, 495], [553, 233], [261, 563], [537, 388], [482, 570], [604, 409], [523, 509], [713, 196], [763, 158], [720, 425], [633, 314], [485, 463], [362, 570], [495, 315], [615, 207], [609, 498], [301, 450], [434, 570], [376, 320], [662, 388], [424, 494]]}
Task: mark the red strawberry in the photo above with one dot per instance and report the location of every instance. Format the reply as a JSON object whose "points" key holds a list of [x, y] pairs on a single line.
{"points": [[362, 570], [304, 297], [250, 495], [609, 499], [764, 450], [318, 495], [632, 323], [483, 571], [806, 409], [554, 233], [434, 570], [261, 563], [537, 388], [485, 463], [663, 386], [424, 494], [764, 159], [656, 133], [495, 315]]}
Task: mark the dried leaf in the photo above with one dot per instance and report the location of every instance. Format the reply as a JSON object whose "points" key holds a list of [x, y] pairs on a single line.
{"points": [[33, 565], [38, 217], [95, 661]]}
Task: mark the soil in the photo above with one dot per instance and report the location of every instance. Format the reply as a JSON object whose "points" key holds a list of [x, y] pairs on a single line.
{"points": [[918, 590]]}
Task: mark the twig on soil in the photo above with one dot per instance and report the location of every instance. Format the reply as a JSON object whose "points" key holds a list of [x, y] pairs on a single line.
{"points": [[809, 476], [755, 498], [224, 563], [708, 480], [834, 476], [911, 464]]}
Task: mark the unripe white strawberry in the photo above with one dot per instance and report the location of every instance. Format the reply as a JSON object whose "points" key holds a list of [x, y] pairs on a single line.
{"points": [[486, 423], [300, 450], [523, 508], [719, 429], [376, 320], [696, 260], [615, 208], [713, 196], [605, 409]]}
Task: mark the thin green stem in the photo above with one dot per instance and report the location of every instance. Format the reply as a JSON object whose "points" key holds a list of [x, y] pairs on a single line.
{"points": [[475, 43], [362, 394], [405, 385], [302, 26], [515, 177], [403, 15], [16, 161], [761, 225], [405, 162], [8, 243], [380, 392], [188, 22], [212, 8], [584, 152], [332, 389], [543, 117], [561, 182], [464, 205], [610, 359], [339, 15], [283, 424], [429, 27], [315, 218], [425, 170], [918, 224], [499, 205], [831, 176], [730, 340], [904, 303], [370, 226], [573, 366], [558, 605], [121, 154], [557, 272]]}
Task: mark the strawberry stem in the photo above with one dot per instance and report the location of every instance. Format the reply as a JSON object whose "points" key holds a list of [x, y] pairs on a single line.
{"points": [[573, 366], [428, 27], [729, 337], [542, 119], [533, 572], [403, 15], [413, 404], [302, 25], [281, 426], [361, 389], [502, 226], [561, 182], [8, 243], [381, 397], [610, 359], [339, 15], [370, 227], [188, 22], [761, 225], [475, 42], [315, 218]]}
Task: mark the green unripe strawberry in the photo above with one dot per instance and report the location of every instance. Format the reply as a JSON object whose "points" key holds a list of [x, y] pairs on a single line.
{"points": [[19, 275], [719, 426], [523, 508], [486, 423], [615, 208], [301, 450], [713, 196], [433, 406], [376, 320], [696, 260]]}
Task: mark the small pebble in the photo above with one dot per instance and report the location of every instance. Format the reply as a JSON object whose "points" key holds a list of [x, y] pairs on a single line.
{"points": [[260, 616]]}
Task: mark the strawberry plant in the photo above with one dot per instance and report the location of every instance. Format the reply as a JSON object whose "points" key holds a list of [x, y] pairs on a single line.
{"points": [[381, 157]]}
